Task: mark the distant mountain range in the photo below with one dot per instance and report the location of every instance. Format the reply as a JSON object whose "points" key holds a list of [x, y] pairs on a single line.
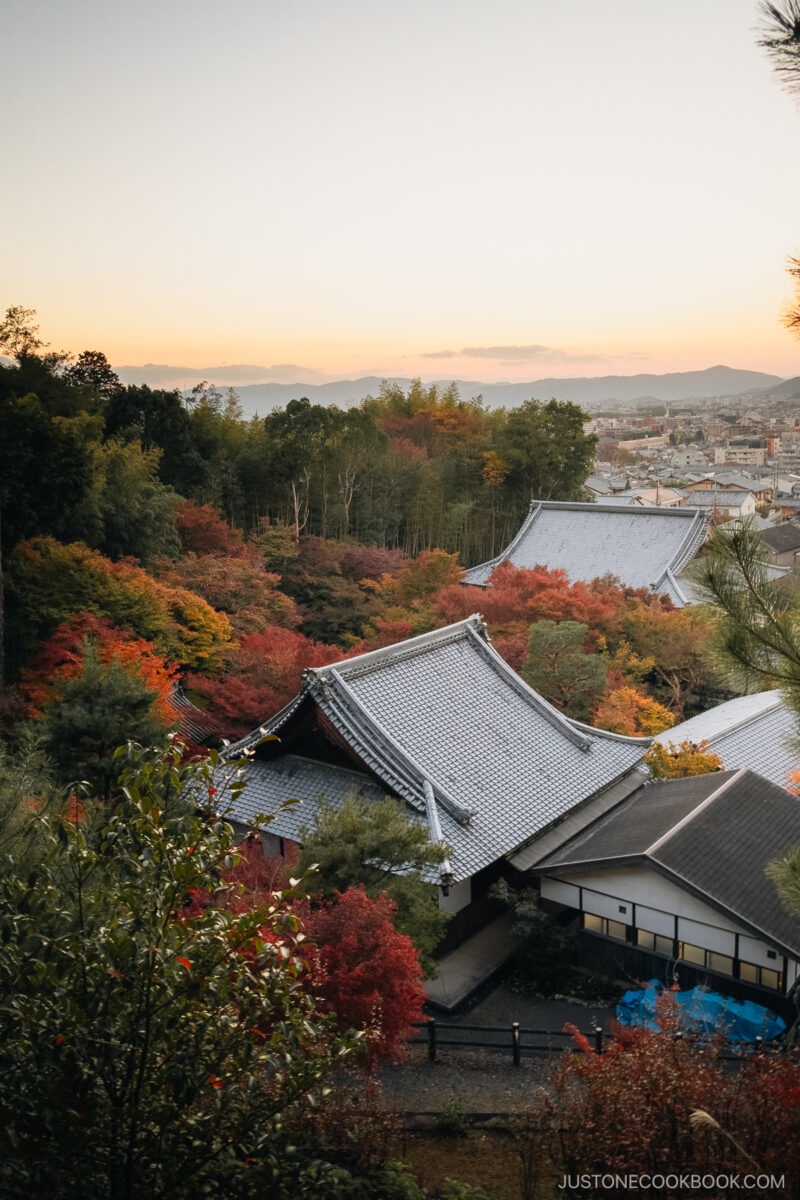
{"points": [[789, 389], [592, 392]]}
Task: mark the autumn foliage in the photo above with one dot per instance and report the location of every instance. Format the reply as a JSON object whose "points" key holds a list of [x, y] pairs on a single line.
{"points": [[50, 582], [679, 761], [61, 658], [358, 965], [264, 671], [364, 970], [626, 710], [629, 1108]]}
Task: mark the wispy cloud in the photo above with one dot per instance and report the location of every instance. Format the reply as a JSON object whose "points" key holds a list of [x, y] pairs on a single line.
{"points": [[514, 354]]}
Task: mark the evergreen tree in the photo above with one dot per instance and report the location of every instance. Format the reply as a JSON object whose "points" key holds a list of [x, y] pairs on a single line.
{"points": [[559, 669], [381, 847], [101, 709]]}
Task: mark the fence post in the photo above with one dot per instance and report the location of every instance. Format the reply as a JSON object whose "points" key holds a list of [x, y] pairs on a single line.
{"points": [[432, 1040], [598, 1039], [515, 1042]]}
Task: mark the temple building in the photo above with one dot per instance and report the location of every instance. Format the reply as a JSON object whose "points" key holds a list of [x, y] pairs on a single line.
{"points": [[658, 876], [442, 723], [642, 547]]}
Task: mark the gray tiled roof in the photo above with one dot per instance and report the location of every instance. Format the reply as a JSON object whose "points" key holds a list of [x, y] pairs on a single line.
{"points": [[716, 497], [783, 537], [445, 708], [194, 725], [294, 778], [643, 547], [714, 834], [758, 732]]}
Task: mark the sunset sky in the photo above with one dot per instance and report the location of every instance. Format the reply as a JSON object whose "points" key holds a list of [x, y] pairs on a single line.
{"points": [[315, 190]]}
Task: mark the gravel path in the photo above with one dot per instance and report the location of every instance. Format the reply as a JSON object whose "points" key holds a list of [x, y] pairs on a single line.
{"points": [[484, 1081]]}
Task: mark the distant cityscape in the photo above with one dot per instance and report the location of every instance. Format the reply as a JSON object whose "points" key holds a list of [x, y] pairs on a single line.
{"points": [[738, 456]]}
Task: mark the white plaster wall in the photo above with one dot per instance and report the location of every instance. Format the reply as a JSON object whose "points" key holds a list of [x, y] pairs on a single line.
{"points": [[707, 936], [756, 952], [658, 901], [607, 906], [562, 893], [655, 920], [459, 896], [644, 886]]}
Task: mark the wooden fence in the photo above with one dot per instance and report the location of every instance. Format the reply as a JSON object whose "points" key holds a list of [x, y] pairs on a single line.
{"points": [[517, 1042]]}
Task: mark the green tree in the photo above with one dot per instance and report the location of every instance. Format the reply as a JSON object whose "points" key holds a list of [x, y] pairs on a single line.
{"points": [[549, 455], [96, 712], [756, 639], [145, 1052], [126, 511], [92, 370], [19, 333], [159, 419], [381, 847], [785, 874], [560, 670], [296, 435]]}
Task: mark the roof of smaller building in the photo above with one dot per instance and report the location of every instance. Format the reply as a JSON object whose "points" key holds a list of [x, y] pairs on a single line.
{"points": [[717, 498], [781, 538], [595, 484], [712, 834], [642, 546]]}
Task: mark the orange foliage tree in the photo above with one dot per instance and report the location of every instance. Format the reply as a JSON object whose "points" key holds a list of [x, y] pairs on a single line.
{"points": [[629, 711], [263, 671], [238, 586], [61, 657], [48, 582], [202, 530]]}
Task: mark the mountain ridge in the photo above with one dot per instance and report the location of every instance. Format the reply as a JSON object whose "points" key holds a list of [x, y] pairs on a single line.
{"points": [[717, 381]]}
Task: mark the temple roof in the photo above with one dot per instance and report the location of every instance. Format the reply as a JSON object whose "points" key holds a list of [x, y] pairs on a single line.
{"points": [[444, 713], [643, 547], [758, 731]]}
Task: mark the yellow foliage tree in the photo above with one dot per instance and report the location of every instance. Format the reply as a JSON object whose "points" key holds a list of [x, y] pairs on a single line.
{"points": [[679, 761]]}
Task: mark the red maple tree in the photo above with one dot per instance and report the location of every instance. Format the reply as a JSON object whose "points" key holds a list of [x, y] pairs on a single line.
{"points": [[365, 971]]}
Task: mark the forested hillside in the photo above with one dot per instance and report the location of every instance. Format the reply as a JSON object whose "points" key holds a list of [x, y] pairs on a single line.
{"points": [[147, 540]]}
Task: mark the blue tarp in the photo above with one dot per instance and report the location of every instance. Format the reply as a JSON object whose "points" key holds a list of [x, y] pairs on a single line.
{"points": [[702, 1011]]}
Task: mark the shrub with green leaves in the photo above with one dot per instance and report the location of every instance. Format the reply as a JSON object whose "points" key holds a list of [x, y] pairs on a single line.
{"points": [[144, 1052]]}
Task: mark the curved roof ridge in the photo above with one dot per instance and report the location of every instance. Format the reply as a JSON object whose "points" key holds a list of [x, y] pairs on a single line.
{"points": [[361, 663], [386, 763], [669, 579], [529, 694], [694, 541], [638, 510], [644, 740], [361, 722]]}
